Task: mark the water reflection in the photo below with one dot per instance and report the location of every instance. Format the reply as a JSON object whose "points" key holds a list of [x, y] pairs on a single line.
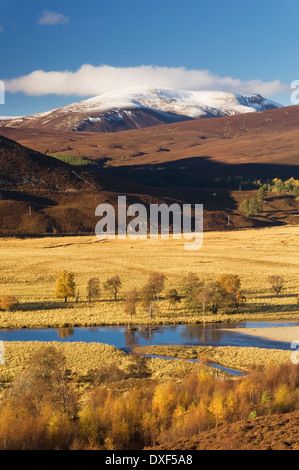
{"points": [[64, 333], [127, 336], [136, 334], [131, 339]]}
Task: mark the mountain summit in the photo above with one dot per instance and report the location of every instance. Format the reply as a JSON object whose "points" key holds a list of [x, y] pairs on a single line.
{"points": [[139, 107]]}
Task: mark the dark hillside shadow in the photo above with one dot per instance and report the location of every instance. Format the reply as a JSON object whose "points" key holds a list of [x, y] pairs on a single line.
{"points": [[34, 200], [194, 180], [203, 172]]}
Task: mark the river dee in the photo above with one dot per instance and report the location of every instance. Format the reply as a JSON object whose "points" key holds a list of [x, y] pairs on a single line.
{"points": [[124, 337]]}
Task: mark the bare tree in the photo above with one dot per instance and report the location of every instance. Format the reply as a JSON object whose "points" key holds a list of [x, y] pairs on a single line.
{"points": [[131, 300], [113, 285], [156, 283], [93, 289], [205, 298], [276, 283]]}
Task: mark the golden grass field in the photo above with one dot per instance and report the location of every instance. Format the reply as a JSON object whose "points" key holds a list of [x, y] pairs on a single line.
{"points": [[84, 357], [229, 356], [29, 269]]}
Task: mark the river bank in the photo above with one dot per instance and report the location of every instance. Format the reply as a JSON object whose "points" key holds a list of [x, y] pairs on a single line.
{"points": [[111, 313], [278, 333]]}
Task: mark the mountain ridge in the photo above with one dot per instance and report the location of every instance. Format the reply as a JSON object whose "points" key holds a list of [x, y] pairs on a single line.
{"points": [[141, 107]]}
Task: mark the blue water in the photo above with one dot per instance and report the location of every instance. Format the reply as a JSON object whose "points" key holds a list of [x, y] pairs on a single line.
{"points": [[209, 363], [185, 335]]}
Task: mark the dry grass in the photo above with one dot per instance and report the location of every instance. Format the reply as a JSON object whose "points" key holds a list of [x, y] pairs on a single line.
{"points": [[29, 269], [228, 356], [84, 357], [81, 357]]}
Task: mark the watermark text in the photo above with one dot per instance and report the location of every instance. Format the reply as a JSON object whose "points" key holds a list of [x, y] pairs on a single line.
{"points": [[2, 92], [184, 221], [2, 353], [295, 354]]}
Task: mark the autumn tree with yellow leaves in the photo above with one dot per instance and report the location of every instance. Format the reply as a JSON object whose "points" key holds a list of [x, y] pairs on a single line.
{"points": [[65, 285], [231, 284]]}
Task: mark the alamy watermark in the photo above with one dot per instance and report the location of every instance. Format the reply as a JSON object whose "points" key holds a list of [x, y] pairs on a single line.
{"points": [[184, 221], [2, 353], [2, 92], [295, 354], [295, 93]]}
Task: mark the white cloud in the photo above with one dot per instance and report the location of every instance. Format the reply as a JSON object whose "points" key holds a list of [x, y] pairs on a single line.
{"points": [[89, 80], [52, 18]]}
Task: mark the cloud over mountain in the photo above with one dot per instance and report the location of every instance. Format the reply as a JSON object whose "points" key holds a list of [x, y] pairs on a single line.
{"points": [[90, 80]]}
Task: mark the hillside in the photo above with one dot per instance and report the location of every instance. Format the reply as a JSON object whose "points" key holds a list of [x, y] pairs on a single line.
{"points": [[141, 107], [23, 169], [277, 432], [266, 138], [209, 161]]}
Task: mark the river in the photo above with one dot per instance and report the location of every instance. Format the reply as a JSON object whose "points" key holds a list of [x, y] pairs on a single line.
{"points": [[124, 337]]}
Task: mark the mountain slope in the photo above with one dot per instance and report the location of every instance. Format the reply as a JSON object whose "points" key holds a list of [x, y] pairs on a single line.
{"points": [[268, 138], [179, 162], [141, 107], [276, 432], [23, 169]]}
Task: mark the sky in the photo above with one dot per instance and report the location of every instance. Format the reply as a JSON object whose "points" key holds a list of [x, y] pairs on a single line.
{"points": [[55, 53]]}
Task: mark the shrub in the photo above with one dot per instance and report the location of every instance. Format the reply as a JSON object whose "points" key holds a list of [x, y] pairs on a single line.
{"points": [[9, 302]]}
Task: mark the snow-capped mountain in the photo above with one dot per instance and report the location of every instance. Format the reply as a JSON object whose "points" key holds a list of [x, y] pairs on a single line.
{"points": [[140, 107], [8, 118]]}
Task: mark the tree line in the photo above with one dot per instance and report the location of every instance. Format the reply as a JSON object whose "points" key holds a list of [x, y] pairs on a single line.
{"points": [[193, 294]]}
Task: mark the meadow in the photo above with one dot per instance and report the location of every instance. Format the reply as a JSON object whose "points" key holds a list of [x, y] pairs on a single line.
{"points": [[95, 396], [29, 269], [238, 358], [83, 358]]}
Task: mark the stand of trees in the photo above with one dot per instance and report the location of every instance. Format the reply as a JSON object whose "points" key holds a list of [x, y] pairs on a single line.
{"points": [[42, 409], [66, 287], [196, 296]]}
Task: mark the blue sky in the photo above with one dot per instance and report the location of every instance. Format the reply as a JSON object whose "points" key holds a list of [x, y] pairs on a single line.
{"points": [[249, 46]]}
